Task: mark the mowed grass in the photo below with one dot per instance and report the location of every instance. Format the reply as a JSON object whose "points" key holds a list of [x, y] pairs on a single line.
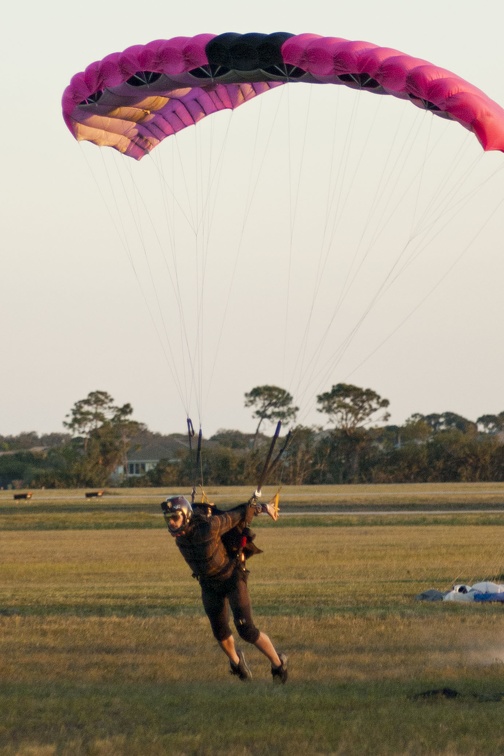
{"points": [[104, 648], [139, 507]]}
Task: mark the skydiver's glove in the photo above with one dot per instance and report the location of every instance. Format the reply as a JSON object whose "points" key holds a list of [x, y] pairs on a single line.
{"points": [[271, 510]]}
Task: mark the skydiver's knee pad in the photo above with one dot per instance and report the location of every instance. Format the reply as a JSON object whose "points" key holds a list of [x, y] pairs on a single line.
{"points": [[247, 630]]}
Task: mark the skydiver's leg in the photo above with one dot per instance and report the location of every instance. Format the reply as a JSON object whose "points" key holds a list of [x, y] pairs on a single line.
{"points": [[241, 607], [266, 647], [229, 648], [217, 610]]}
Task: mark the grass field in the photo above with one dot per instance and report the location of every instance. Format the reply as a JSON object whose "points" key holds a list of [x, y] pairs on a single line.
{"points": [[104, 648]]}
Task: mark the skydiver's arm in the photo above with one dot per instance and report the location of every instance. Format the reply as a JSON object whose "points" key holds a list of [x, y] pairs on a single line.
{"points": [[242, 514]]}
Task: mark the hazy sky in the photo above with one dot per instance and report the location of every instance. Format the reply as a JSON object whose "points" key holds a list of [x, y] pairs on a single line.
{"points": [[80, 313]]}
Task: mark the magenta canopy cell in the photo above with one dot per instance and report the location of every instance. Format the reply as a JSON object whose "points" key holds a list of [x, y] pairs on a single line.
{"points": [[132, 100]]}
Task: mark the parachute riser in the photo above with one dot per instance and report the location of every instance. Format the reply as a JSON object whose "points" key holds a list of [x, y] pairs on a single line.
{"points": [[270, 466], [196, 459], [267, 461]]}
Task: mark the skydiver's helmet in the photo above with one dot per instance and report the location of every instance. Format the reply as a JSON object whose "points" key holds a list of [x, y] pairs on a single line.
{"points": [[174, 504]]}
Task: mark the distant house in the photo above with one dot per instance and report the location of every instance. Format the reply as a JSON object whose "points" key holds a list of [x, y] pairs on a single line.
{"points": [[145, 455]]}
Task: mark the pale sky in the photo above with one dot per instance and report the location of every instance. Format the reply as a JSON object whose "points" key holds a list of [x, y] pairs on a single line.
{"points": [[80, 313]]}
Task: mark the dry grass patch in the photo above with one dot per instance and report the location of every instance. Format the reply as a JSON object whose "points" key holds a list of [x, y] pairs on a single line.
{"points": [[325, 651]]}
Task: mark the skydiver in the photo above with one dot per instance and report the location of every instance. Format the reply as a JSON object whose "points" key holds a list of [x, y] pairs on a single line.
{"points": [[222, 577]]}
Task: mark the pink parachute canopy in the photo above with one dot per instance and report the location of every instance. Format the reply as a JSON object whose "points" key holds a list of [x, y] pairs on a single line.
{"points": [[134, 99]]}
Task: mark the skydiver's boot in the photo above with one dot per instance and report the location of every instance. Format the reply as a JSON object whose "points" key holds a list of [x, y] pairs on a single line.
{"points": [[280, 673], [242, 669]]}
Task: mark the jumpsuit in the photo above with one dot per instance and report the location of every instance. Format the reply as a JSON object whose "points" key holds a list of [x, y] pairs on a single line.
{"points": [[222, 578]]}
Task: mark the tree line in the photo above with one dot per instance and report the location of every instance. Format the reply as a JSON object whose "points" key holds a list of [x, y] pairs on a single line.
{"points": [[357, 446]]}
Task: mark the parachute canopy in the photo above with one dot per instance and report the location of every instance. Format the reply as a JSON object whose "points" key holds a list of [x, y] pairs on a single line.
{"points": [[132, 100], [479, 592]]}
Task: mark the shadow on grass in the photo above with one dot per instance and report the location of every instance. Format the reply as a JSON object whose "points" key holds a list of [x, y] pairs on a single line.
{"points": [[253, 718]]}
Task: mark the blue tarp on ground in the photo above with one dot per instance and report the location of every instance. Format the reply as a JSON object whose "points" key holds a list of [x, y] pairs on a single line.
{"points": [[484, 591], [489, 597]]}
